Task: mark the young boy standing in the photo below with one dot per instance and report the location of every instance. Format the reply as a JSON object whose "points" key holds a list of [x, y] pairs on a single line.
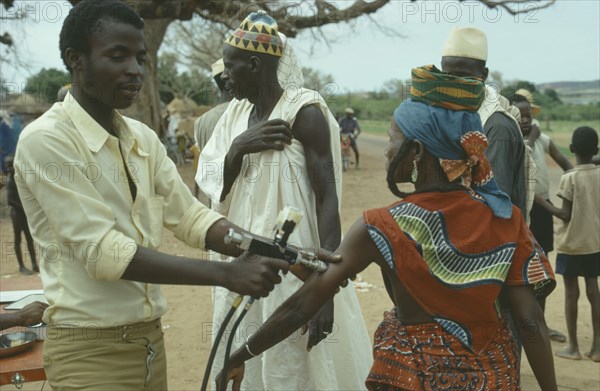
{"points": [[19, 220], [578, 240]]}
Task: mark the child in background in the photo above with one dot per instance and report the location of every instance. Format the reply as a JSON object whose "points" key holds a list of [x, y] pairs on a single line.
{"points": [[19, 220], [578, 237]]}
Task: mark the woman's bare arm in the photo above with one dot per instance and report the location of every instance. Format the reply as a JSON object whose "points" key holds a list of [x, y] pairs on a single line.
{"points": [[357, 250]]}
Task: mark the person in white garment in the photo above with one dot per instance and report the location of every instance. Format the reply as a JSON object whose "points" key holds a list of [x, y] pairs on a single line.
{"points": [[276, 145]]}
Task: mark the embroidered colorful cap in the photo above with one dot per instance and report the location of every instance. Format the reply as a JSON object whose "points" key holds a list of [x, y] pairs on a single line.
{"points": [[257, 33]]}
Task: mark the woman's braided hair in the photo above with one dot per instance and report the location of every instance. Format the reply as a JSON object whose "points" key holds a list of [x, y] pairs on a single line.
{"points": [[393, 167]]}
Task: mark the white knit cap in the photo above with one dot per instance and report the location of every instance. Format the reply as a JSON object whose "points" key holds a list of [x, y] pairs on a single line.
{"points": [[466, 42], [218, 67]]}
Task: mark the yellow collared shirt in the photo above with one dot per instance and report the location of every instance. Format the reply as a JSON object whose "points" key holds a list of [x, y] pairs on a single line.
{"points": [[71, 177]]}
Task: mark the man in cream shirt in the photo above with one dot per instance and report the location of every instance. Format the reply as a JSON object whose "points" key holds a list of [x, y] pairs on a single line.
{"points": [[98, 188]]}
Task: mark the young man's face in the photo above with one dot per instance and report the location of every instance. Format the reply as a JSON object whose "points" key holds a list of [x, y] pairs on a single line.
{"points": [[525, 122], [113, 72]]}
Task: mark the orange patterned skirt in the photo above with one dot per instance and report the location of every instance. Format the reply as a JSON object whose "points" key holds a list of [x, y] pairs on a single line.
{"points": [[426, 357]]}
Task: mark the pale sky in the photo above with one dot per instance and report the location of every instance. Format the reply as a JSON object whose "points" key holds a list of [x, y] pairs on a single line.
{"points": [[560, 43]]}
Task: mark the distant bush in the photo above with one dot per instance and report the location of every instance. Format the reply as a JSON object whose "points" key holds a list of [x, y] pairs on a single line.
{"points": [[571, 112], [45, 84], [365, 107], [375, 106]]}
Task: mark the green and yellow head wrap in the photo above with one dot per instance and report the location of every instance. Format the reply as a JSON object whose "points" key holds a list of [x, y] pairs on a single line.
{"points": [[431, 86]]}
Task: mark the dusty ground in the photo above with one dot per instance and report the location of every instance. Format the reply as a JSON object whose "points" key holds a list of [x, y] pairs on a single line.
{"points": [[188, 322]]}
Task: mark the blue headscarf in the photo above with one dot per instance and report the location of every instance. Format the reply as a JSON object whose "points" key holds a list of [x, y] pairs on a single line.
{"points": [[457, 139]]}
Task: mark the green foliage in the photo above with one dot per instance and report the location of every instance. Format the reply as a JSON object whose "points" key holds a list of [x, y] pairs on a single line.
{"points": [[397, 89], [571, 112], [546, 99], [559, 131], [370, 106], [380, 104], [509, 90], [46, 83], [188, 84], [317, 80], [375, 126], [552, 95], [553, 109]]}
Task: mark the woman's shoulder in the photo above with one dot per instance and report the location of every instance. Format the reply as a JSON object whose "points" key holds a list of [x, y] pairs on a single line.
{"points": [[419, 203], [443, 200], [432, 201], [376, 214]]}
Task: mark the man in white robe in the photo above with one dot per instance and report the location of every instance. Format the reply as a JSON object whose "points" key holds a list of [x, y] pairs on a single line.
{"points": [[277, 145]]}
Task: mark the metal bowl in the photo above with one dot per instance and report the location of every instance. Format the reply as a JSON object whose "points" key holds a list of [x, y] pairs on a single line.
{"points": [[39, 330], [16, 342]]}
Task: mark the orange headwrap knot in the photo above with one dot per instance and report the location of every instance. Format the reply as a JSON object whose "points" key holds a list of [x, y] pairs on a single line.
{"points": [[476, 167]]}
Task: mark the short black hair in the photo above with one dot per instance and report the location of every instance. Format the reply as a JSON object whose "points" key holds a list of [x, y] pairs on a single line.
{"points": [[471, 67], [584, 141], [83, 19], [517, 98], [393, 167]]}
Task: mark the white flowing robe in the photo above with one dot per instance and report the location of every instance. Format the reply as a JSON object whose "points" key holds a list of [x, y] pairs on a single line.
{"points": [[269, 181]]}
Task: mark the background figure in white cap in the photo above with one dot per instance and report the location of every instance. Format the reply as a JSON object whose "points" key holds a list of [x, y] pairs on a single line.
{"points": [[205, 124], [349, 125], [277, 145], [465, 54]]}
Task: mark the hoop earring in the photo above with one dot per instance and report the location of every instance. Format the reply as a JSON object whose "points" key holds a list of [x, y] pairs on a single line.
{"points": [[415, 172]]}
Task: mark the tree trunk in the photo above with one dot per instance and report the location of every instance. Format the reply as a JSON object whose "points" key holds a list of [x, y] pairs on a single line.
{"points": [[147, 108]]}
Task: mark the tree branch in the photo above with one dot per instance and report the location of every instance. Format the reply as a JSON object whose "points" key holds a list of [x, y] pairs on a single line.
{"points": [[291, 16], [515, 7], [7, 3], [198, 43], [231, 12], [161, 9], [327, 13], [6, 39]]}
